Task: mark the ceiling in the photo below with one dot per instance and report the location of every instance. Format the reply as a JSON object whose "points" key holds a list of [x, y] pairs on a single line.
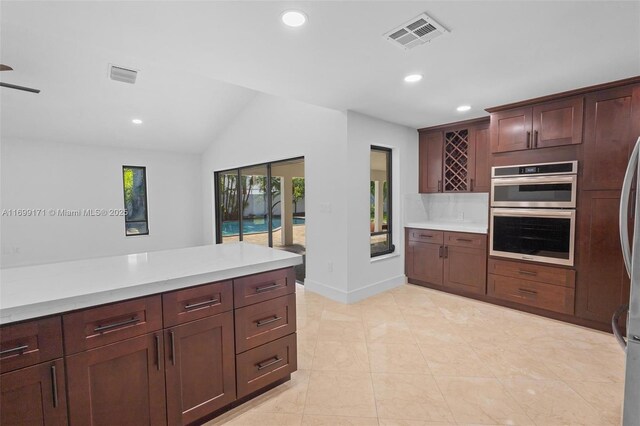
{"points": [[201, 62]]}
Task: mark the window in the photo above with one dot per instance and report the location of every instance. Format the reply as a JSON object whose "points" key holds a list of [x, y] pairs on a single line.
{"points": [[134, 181], [380, 202]]}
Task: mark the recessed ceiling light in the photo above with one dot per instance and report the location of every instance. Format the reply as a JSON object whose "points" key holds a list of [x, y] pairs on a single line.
{"points": [[136, 121], [294, 18], [463, 108], [412, 78]]}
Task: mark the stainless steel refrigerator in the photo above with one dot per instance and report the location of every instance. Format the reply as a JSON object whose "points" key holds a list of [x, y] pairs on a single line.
{"points": [[631, 254]]}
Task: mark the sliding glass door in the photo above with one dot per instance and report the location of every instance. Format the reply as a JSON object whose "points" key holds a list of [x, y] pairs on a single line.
{"points": [[263, 204]]}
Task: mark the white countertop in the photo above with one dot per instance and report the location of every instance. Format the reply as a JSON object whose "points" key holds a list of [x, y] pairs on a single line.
{"points": [[459, 226], [39, 290]]}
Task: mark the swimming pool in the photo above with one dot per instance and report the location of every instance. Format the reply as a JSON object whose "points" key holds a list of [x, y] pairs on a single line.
{"points": [[254, 226]]}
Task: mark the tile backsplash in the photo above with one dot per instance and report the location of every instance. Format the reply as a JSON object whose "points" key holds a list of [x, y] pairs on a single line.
{"points": [[463, 207]]}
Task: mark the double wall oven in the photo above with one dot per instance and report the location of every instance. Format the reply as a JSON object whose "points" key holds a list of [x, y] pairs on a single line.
{"points": [[533, 212]]}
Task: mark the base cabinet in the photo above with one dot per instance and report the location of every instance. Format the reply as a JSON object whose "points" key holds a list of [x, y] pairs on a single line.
{"points": [[200, 368], [34, 395], [118, 384], [424, 262], [175, 358], [465, 269], [453, 260]]}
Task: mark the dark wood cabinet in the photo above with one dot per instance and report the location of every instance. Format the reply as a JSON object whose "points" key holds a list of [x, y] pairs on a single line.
{"points": [[465, 269], [29, 343], [453, 260], [120, 383], [544, 287], [34, 395], [511, 130], [424, 262], [557, 123], [430, 162], [603, 283], [123, 368], [481, 173], [544, 125], [612, 127], [454, 158], [200, 367]]}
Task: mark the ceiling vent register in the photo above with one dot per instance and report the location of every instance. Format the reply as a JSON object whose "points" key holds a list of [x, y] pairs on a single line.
{"points": [[415, 32], [124, 75]]}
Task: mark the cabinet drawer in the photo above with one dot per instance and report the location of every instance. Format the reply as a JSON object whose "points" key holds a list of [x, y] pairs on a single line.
{"points": [[266, 321], [545, 296], [266, 364], [463, 239], [527, 271], [426, 236], [29, 343], [260, 287], [194, 303], [95, 327]]}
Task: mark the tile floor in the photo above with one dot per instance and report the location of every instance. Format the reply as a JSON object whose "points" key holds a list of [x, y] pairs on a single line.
{"points": [[414, 356]]}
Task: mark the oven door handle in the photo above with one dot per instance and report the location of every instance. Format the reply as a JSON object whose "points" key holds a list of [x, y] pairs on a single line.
{"points": [[624, 207], [535, 179]]}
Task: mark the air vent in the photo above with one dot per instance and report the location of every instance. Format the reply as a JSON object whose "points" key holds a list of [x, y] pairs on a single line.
{"points": [[123, 74], [415, 32]]}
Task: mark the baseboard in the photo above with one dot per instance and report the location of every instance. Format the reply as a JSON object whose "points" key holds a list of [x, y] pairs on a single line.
{"points": [[327, 291], [375, 288]]}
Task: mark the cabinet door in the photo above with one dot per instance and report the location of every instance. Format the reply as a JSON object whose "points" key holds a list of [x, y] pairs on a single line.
{"points": [[612, 125], [511, 130], [424, 262], [34, 396], [480, 171], [118, 384], [602, 282], [557, 123], [465, 269], [200, 368], [430, 163]]}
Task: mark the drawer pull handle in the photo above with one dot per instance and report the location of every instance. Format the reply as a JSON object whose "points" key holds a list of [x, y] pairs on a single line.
{"points": [[527, 291], [173, 347], [54, 386], [157, 351], [464, 240], [102, 328], [19, 349], [264, 364], [426, 236], [265, 321], [267, 287], [200, 304], [523, 272]]}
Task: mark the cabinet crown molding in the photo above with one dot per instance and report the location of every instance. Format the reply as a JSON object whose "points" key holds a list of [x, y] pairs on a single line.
{"points": [[569, 93]]}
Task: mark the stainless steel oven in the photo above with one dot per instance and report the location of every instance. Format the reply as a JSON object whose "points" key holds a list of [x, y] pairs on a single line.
{"points": [[540, 235], [535, 185], [533, 212]]}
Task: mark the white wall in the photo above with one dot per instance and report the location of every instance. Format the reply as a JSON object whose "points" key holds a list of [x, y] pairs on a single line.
{"points": [[270, 129], [336, 148], [369, 276], [68, 176]]}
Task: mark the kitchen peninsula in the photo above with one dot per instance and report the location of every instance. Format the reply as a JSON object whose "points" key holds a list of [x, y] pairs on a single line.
{"points": [[149, 338]]}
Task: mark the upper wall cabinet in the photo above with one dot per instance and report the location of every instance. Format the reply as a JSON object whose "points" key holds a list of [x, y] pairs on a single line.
{"points": [[539, 126], [612, 127], [455, 158]]}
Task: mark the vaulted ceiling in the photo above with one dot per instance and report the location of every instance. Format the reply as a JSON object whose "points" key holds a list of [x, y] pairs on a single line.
{"points": [[201, 62]]}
